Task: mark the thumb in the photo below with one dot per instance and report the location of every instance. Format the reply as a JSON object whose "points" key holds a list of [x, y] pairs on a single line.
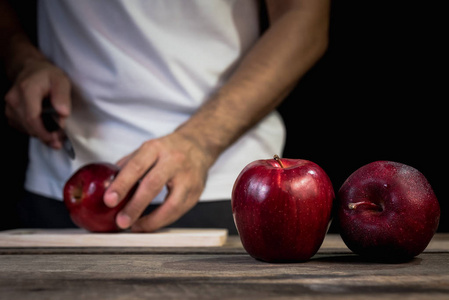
{"points": [[60, 96]]}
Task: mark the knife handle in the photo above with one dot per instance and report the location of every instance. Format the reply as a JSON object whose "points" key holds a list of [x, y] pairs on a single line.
{"points": [[49, 116]]}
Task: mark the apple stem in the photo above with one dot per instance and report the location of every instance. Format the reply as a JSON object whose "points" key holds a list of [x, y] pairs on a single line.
{"points": [[278, 159], [357, 204]]}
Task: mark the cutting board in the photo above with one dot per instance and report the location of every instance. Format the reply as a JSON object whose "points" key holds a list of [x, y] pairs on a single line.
{"points": [[169, 237]]}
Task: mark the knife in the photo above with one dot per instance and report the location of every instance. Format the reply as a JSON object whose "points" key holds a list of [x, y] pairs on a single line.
{"points": [[50, 118]]}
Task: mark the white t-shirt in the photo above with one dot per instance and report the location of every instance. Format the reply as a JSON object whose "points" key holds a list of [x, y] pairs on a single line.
{"points": [[139, 69]]}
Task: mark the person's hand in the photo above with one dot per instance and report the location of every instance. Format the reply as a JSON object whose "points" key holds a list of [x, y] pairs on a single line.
{"points": [[36, 80], [174, 161]]}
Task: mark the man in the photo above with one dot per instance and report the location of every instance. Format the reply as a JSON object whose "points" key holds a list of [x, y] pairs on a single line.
{"points": [[180, 94]]}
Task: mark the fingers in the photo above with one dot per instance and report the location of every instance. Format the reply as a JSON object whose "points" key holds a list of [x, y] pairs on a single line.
{"points": [[132, 171], [60, 98], [168, 161], [122, 162], [23, 109], [142, 166], [24, 100], [179, 201], [149, 187]]}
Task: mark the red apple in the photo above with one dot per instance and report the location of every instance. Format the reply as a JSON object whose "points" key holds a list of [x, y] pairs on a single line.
{"points": [[83, 196], [387, 211], [282, 208]]}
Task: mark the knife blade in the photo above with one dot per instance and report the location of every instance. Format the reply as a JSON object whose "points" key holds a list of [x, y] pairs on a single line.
{"points": [[50, 119]]}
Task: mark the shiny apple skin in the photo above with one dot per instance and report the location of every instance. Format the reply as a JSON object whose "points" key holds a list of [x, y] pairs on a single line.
{"points": [[83, 197], [397, 212], [282, 214]]}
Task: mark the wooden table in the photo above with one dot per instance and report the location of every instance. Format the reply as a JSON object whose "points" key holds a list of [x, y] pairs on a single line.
{"points": [[226, 272]]}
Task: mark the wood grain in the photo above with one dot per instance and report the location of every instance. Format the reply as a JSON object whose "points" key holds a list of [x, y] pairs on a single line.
{"points": [[226, 272]]}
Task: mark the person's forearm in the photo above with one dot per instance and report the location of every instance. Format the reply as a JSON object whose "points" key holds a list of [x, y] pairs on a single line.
{"points": [[291, 46], [16, 48]]}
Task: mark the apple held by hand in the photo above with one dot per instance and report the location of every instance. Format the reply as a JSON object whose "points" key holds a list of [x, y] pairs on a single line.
{"points": [[83, 196], [282, 208], [387, 211]]}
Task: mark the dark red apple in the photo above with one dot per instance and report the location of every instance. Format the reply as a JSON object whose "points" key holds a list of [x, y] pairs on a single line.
{"points": [[282, 208], [387, 211], [83, 196]]}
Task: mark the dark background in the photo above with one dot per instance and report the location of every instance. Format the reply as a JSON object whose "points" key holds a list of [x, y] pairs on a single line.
{"points": [[377, 94]]}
